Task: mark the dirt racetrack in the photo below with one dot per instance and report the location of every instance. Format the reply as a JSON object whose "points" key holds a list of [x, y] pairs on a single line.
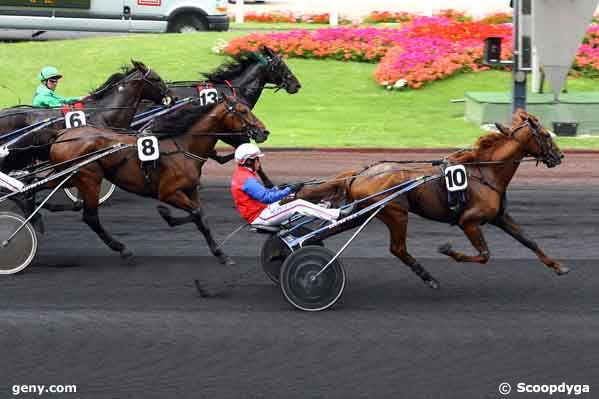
{"points": [[136, 329]]}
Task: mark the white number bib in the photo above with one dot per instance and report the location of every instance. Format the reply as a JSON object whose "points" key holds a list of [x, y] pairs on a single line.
{"points": [[456, 178], [147, 148], [208, 96], [75, 119]]}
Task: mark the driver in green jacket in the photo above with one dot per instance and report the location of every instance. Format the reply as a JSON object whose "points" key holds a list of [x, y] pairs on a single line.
{"points": [[45, 95]]}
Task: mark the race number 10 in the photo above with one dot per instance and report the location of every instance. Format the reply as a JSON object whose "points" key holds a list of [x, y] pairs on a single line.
{"points": [[456, 178], [147, 148], [75, 119]]}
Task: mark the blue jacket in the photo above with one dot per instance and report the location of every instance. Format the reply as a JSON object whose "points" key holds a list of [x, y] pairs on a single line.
{"points": [[265, 195], [251, 197]]}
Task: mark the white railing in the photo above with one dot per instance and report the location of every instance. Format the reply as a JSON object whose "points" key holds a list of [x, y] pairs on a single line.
{"points": [[360, 8]]}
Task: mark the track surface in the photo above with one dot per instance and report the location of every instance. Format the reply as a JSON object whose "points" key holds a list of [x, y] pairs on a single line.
{"points": [[137, 329]]}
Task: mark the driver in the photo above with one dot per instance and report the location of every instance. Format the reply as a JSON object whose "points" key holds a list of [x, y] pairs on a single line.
{"points": [[259, 205], [45, 95]]}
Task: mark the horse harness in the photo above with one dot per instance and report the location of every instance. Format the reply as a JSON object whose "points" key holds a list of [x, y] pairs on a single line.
{"points": [[457, 200]]}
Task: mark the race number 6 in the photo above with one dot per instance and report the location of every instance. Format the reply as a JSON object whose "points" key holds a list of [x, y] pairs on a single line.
{"points": [[208, 96], [147, 148], [456, 178], [75, 119]]}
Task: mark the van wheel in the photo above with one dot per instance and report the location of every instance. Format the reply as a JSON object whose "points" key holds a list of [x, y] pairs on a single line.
{"points": [[187, 24]]}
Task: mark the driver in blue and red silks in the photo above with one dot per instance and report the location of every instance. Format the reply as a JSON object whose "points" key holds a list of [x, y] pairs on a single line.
{"points": [[259, 205]]}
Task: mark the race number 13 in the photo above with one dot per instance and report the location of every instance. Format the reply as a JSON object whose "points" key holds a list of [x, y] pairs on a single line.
{"points": [[208, 96], [75, 119], [147, 148], [456, 178]]}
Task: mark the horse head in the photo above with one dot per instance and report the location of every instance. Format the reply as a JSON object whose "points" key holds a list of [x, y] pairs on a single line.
{"points": [[153, 87], [278, 73], [237, 117], [533, 138], [133, 84]]}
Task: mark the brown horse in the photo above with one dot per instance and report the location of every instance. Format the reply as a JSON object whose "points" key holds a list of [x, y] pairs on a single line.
{"points": [[490, 166], [173, 180]]}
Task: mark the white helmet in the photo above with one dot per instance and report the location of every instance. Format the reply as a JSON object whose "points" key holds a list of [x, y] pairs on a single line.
{"points": [[247, 151]]}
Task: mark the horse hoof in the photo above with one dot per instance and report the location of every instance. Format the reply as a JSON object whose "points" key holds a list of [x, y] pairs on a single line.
{"points": [[126, 253], [202, 291], [445, 249], [226, 260], [434, 284], [77, 206], [163, 210], [562, 271]]}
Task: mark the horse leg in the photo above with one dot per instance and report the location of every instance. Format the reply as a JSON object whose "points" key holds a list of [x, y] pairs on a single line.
{"points": [[173, 221], [180, 200], [397, 223], [477, 239], [221, 159], [507, 224], [265, 179], [89, 188]]}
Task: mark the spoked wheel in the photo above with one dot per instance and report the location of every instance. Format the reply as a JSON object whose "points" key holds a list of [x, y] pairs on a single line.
{"points": [[275, 251], [301, 284], [105, 192], [20, 251]]}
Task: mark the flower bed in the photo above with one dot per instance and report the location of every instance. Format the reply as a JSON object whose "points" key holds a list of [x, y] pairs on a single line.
{"points": [[421, 50], [426, 49], [288, 17]]}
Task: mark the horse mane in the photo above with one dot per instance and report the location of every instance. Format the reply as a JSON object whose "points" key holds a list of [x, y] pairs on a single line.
{"points": [[19, 106], [113, 79], [181, 120], [483, 147], [232, 68]]}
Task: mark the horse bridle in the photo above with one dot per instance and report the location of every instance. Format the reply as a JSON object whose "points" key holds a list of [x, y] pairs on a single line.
{"points": [[274, 66], [541, 143], [162, 86], [249, 127]]}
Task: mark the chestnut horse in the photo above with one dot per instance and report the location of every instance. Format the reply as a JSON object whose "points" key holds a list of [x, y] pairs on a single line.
{"points": [[173, 180], [490, 165]]}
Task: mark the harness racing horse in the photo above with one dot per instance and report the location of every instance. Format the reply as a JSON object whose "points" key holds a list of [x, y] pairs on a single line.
{"points": [[173, 181], [245, 77], [112, 104], [490, 165]]}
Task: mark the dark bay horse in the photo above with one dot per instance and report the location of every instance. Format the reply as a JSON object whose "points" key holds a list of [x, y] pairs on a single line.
{"points": [[173, 181], [112, 104], [245, 77], [490, 165]]}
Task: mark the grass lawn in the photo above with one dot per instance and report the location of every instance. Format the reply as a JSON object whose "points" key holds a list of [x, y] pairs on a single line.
{"points": [[339, 104]]}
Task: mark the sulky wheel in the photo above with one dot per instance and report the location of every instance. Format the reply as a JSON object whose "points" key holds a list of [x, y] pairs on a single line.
{"points": [[17, 254], [273, 254], [105, 192], [301, 284], [275, 251], [11, 206]]}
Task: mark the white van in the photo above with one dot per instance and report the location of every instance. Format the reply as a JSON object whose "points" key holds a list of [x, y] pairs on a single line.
{"points": [[115, 15]]}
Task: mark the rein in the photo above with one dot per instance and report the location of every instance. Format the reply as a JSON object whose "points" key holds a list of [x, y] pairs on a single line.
{"points": [[33, 109], [434, 162]]}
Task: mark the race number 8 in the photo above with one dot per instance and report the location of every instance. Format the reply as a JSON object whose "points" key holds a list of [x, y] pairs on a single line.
{"points": [[75, 119], [456, 178], [208, 96], [147, 148]]}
